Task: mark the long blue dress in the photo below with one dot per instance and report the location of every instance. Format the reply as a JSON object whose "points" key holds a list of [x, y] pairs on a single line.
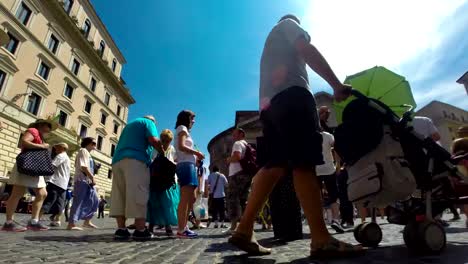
{"points": [[162, 205]]}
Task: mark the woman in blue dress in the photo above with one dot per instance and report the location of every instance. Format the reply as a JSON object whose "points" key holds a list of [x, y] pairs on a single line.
{"points": [[162, 205]]}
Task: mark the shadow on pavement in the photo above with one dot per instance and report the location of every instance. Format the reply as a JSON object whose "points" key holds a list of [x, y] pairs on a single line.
{"points": [[455, 230], [87, 238], [245, 259]]}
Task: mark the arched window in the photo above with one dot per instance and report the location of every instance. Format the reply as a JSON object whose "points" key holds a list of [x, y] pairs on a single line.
{"points": [[102, 48], [114, 64], [67, 5], [86, 28]]}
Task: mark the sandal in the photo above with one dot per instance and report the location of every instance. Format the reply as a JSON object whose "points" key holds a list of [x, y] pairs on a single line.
{"points": [[336, 249], [248, 244]]}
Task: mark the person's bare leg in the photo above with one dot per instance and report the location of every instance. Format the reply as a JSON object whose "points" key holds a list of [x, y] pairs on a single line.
{"points": [[140, 224], [382, 213], [308, 193], [121, 222], [335, 208], [41, 194], [186, 197], [264, 182], [12, 203], [362, 213]]}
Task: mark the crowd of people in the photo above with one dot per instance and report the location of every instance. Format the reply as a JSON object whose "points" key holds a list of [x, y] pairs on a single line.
{"points": [[297, 140]]}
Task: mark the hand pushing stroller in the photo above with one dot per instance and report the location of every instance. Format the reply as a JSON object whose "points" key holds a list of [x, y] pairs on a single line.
{"points": [[391, 165]]}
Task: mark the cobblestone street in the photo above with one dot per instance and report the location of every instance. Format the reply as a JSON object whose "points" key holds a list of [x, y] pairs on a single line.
{"points": [[98, 246]]}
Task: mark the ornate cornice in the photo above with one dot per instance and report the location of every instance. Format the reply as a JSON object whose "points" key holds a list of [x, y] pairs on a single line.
{"points": [[8, 64]]}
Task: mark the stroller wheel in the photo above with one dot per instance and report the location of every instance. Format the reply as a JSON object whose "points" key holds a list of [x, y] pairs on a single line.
{"points": [[357, 233], [432, 237], [368, 234], [426, 238]]}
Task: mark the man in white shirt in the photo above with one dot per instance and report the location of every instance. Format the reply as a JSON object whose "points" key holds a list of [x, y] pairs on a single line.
{"points": [[57, 185], [327, 174], [425, 127], [292, 133], [239, 182], [217, 183]]}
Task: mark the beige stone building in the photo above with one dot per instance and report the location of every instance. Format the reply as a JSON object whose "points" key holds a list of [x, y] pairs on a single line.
{"points": [[447, 118], [61, 62]]}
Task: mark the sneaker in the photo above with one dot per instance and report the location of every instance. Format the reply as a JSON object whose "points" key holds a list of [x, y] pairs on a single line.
{"points": [[347, 225], [215, 226], [37, 226], [223, 226], [12, 227], [55, 224], [337, 227], [122, 234], [187, 234], [142, 235], [202, 226]]}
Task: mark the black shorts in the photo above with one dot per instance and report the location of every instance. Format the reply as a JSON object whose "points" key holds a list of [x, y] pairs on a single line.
{"points": [[55, 201], [291, 130], [331, 185]]}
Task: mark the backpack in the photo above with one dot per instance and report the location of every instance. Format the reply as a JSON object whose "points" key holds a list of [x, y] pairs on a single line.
{"points": [[382, 176], [162, 174], [249, 161]]}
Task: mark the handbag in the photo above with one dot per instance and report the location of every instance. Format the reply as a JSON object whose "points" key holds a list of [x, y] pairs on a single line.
{"points": [[162, 174], [35, 162]]}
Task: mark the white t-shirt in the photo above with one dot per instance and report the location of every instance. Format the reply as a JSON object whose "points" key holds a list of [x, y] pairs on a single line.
{"points": [[170, 154], [235, 167], [327, 145], [424, 126], [281, 67], [184, 156], [83, 159], [61, 175]]}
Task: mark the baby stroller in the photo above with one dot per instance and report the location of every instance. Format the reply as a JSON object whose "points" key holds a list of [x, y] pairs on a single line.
{"points": [[391, 165]]}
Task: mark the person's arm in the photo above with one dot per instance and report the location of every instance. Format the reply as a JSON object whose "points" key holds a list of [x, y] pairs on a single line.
{"points": [[27, 142], [181, 145], [156, 143], [319, 64], [236, 153], [235, 157]]}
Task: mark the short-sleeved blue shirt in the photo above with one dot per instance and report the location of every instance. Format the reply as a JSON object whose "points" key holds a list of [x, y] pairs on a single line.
{"points": [[133, 142]]}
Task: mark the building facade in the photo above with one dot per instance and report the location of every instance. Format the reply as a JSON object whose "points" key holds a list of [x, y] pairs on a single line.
{"points": [[447, 118], [61, 63], [464, 80]]}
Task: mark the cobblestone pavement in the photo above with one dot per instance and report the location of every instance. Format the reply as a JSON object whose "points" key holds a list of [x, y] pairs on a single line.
{"points": [[98, 246]]}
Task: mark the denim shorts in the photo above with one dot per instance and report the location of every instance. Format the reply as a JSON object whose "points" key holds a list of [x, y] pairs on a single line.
{"points": [[187, 174]]}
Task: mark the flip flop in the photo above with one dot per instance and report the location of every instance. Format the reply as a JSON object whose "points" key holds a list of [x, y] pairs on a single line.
{"points": [[75, 228], [336, 249], [91, 226], [248, 244]]}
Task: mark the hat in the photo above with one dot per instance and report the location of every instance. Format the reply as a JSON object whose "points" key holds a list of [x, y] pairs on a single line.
{"points": [[462, 131], [324, 108], [53, 125], [63, 145], [4, 38]]}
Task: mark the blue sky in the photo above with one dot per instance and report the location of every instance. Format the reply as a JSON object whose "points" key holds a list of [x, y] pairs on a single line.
{"points": [[204, 55]]}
